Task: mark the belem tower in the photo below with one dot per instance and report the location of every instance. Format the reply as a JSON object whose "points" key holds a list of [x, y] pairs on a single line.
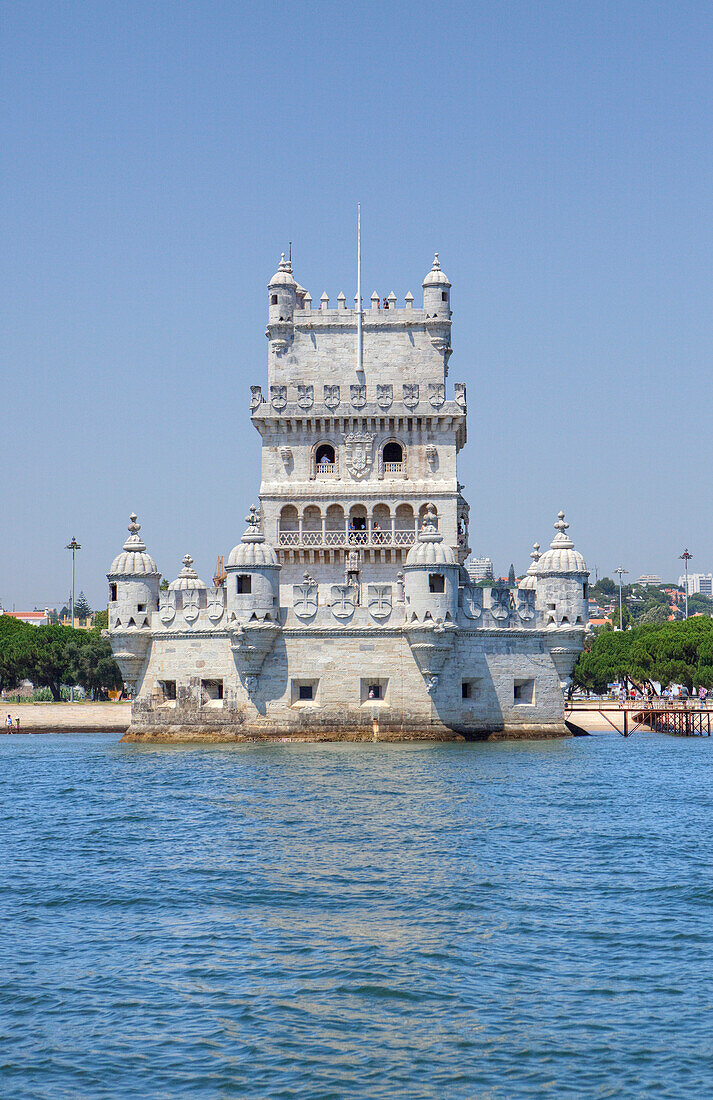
{"points": [[346, 610]]}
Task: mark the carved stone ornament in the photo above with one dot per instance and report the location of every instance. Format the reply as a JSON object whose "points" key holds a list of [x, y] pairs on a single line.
{"points": [[278, 397], [216, 606], [411, 394], [331, 397], [526, 605], [432, 456], [256, 398], [286, 456], [431, 684], [500, 600], [460, 395], [168, 609], [385, 396], [358, 395], [379, 600], [359, 453], [251, 682], [436, 394], [472, 602], [343, 600], [304, 598], [191, 605], [305, 396]]}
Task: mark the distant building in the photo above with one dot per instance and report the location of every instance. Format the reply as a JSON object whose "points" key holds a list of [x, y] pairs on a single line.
{"points": [[480, 569], [34, 618], [697, 582], [649, 578]]}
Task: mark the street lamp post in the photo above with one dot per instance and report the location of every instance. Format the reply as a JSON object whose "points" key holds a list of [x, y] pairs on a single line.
{"points": [[73, 546], [621, 571], [685, 558]]}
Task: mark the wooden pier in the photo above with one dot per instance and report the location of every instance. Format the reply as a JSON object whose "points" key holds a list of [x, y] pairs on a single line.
{"points": [[677, 719]]}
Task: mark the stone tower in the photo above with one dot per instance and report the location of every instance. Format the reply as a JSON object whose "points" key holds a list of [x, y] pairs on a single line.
{"points": [[353, 459]]}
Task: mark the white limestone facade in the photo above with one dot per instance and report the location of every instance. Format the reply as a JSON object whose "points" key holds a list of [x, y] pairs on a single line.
{"points": [[346, 611]]}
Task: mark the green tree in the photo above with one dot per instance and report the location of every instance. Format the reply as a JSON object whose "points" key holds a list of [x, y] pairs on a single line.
{"points": [[606, 586], [101, 619], [82, 608], [92, 664], [511, 576], [670, 652]]}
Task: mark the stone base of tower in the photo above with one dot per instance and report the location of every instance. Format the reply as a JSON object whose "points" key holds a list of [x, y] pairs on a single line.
{"points": [[230, 734]]}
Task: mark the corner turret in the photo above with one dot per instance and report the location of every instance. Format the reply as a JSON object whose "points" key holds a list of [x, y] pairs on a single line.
{"points": [[562, 586], [133, 597], [437, 293], [282, 290], [253, 583], [431, 568]]}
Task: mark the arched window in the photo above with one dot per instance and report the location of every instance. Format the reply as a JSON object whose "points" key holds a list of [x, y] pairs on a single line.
{"points": [[289, 526], [393, 452], [324, 454]]}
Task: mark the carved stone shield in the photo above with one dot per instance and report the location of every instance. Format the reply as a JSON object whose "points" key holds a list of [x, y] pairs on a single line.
{"points": [[359, 453], [358, 395], [305, 396], [255, 397], [191, 607], [436, 394], [379, 600], [526, 605], [304, 599], [343, 600], [384, 396], [472, 602], [331, 397], [500, 603], [216, 605], [460, 395], [168, 609], [411, 394], [278, 397]]}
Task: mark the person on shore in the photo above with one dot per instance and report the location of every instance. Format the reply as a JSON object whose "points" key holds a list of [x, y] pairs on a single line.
{"points": [[702, 696], [8, 724], [17, 722]]}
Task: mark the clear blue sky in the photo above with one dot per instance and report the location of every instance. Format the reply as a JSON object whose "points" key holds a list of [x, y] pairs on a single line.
{"points": [[156, 159]]}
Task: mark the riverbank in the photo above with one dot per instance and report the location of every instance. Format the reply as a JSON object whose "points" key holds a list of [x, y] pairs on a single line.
{"points": [[65, 717]]}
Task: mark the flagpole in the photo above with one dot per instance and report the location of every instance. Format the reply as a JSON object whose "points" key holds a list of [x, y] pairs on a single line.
{"points": [[360, 346]]}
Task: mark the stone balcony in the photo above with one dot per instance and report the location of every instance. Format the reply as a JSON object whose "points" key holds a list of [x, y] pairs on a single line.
{"points": [[371, 538]]}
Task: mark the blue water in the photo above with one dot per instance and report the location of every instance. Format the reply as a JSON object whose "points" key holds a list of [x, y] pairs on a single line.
{"points": [[505, 920]]}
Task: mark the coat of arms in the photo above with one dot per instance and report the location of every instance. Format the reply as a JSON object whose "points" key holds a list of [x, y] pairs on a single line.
{"points": [[378, 599], [278, 397], [305, 396], [191, 605], [343, 600], [436, 394], [460, 395], [304, 598], [168, 609], [358, 394], [256, 398], [216, 606], [331, 397], [472, 602], [384, 396], [411, 394], [359, 455]]}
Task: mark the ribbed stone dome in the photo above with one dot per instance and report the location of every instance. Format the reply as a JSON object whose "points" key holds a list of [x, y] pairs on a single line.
{"points": [[529, 581], [429, 548], [133, 561], [436, 277], [283, 276], [187, 578], [252, 550], [561, 557]]}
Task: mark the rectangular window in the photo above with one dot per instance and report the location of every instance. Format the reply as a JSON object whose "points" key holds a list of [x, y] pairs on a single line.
{"points": [[273, 300], [306, 692], [373, 690], [112, 593], [245, 584], [211, 691], [303, 692], [524, 691], [552, 606], [444, 295], [436, 582], [466, 690], [168, 690], [141, 607]]}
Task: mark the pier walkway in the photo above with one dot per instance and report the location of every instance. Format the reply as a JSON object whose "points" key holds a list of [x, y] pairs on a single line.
{"points": [[678, 719]]}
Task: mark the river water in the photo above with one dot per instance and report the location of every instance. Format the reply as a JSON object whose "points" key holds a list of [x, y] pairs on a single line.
{"points": [[489, 920]]}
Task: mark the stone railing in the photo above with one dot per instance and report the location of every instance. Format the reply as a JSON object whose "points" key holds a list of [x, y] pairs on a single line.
{"points": [[374, 537]]}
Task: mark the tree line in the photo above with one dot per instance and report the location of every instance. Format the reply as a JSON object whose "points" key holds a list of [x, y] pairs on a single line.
{"points": [[53, 656], [669, 653]]}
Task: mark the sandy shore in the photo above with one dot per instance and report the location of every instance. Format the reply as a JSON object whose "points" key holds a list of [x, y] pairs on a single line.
{"points": [[59, 717]]}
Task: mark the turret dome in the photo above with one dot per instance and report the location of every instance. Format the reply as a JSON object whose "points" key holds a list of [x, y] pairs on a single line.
{"points": [[133, 560], [187, 578], [283, 276], [253, 549], [529, 581], [430, 549], [436, 277], [561, 557]]}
